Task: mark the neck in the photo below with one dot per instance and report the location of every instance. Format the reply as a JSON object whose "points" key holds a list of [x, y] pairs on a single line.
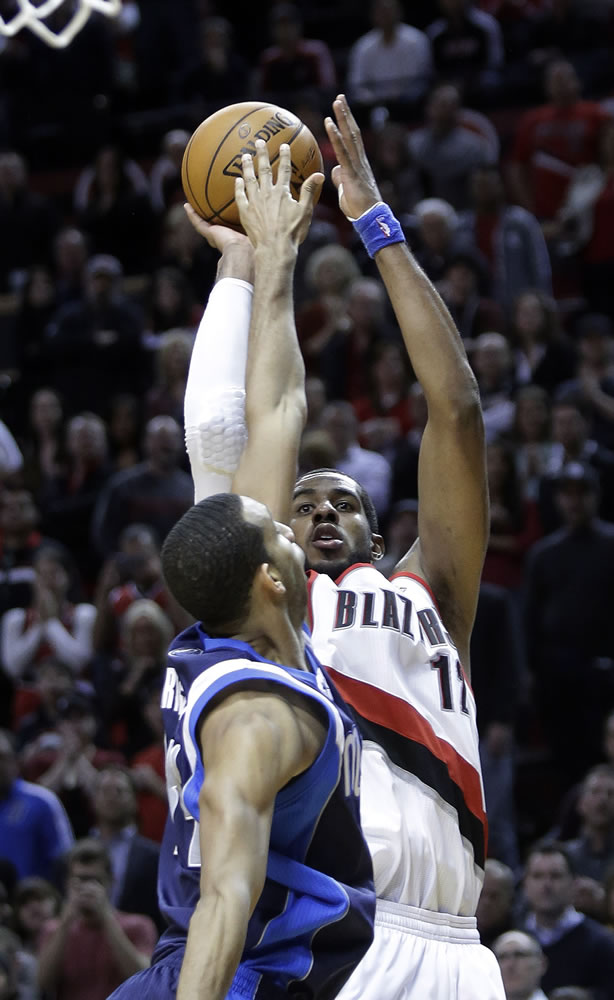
{"points": [[282, 644], [109, 828], [549, 920], [389, 33], [598, 837]]}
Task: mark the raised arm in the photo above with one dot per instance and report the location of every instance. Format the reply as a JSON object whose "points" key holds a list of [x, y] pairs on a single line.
{"points": [[251, 745], [275, 406], [453, 500]]}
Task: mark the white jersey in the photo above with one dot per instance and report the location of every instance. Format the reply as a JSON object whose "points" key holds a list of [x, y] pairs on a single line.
{"points": [[422, 802]]}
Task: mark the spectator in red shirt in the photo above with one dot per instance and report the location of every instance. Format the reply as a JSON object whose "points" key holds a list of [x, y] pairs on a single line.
{"points": [[92, 948], [384, 414], [552, 140], [293, 63]]}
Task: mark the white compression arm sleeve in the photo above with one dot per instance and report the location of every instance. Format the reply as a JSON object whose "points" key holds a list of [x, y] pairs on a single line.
{"points": [[214, 406]]}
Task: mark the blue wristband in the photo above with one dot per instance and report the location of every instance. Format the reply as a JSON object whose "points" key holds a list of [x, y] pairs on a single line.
{"points": [[377, 228]]}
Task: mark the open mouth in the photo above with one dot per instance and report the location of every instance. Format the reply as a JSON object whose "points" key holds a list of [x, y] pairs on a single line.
{"points": [[326, 537]]}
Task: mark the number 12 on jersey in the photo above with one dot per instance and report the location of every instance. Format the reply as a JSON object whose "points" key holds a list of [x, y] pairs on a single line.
{"points": [[442, 665]]}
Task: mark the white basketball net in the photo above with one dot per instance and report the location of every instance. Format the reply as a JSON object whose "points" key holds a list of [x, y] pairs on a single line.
{"points": [[32, 16]]}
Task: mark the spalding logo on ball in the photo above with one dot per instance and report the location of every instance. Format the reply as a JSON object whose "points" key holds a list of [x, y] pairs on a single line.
{"points": [[212, 158]]}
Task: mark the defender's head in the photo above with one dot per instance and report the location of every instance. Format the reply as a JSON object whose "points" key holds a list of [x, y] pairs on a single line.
{"points": [[228, 562], [334, 522]]}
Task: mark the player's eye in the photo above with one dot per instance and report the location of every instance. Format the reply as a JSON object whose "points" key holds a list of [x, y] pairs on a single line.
{"points": [[304, 508], [343, 505]]}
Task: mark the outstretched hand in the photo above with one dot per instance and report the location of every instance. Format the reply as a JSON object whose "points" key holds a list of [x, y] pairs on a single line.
{"points": [[352, 176], [268, 212], [218, 237]]}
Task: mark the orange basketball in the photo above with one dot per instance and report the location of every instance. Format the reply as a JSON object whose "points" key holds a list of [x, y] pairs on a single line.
{"points": [[212, 158]]}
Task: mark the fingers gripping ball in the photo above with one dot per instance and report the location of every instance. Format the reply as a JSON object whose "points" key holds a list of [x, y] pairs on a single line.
{"points": [[212, 158]]}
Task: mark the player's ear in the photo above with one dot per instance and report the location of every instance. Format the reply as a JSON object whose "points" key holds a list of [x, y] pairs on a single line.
{"points": [[378, 547], [269, 581]]}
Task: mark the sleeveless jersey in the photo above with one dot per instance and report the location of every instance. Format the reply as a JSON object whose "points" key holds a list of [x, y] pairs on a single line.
{"points": [[422, 806], [313, 921]]}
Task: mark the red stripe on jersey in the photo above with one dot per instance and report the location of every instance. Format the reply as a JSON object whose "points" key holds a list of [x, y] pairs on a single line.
{"points": [[394, 713]]}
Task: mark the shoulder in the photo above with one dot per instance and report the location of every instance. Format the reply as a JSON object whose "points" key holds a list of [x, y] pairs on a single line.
{"points": [[516, 215], [125, 478], [411, 35], [437, 28], [545, 546], [365, 42], [43, 799], [483, 20]]}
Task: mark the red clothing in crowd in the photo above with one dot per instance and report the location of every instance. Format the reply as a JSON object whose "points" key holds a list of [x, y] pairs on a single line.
{"points": [[600, 246], [88, 971], [552, 141], [152, 810]]}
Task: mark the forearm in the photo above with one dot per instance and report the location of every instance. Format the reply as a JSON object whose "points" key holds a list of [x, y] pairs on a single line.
{"points": [[216, 938], [18, 648], [74, 650], [50, 958], [128, 958], [432, 341]]}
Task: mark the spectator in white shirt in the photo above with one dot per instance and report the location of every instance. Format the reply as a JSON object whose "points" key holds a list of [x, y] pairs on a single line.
{"points": [[390, 63], [52, 625]]}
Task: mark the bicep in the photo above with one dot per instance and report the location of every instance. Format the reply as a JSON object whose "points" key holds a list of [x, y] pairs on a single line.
{"points": [[453, 517]]}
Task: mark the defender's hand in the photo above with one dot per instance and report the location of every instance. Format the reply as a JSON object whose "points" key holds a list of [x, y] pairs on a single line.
{"points": [[218, 237], [352, 176], [268, 212]]}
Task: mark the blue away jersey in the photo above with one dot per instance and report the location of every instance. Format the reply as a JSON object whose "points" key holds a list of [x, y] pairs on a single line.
{"points": [[314, 920]]}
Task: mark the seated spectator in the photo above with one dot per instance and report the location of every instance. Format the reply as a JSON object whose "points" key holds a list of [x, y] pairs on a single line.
{"points": [[134, 858], [384, 414], [218, 75], [522, 964], [94, 346], [68, 499], [28, 223], [36, 718], [445, 152], [463, 288], [68, 765], [578, 950], [172, 363], [570, 436], [91, 948], [531, 436], [171, 303], [113, 206], [435, 236], [43, 447], [390, 65], [35, 901], [368, 468], [132, 574], [508, 237], [568, 822], [70, 253], [592, 853], [317, 451], [19, 541], [156, 492], [38, 303], [543, 353], [124, 431], [396, 174], [514, 520], [322, 323], [496, 904], [593, 385], [491, 361], [293, 63], [52, 625], [467, 48], [34, 828], [165, 174], [569, 577], [145, 632], [401, 533], [551, 141]]}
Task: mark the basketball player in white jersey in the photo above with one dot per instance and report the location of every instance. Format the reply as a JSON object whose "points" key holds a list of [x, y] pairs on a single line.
{"points": [[398, 650]]}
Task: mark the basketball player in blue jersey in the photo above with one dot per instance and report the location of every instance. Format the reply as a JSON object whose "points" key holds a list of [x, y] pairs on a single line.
{"points": [[265, 879], [397, 649]]}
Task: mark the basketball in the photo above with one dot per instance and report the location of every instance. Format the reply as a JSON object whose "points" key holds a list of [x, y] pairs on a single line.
{"points": [[212, 158]]}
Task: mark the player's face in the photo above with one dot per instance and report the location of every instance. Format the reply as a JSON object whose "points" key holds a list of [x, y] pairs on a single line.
{"points": [[330, 524], [283, 553]]}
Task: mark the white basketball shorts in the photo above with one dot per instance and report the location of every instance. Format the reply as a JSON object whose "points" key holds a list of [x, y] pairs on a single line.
{"points": [[421, 955]]}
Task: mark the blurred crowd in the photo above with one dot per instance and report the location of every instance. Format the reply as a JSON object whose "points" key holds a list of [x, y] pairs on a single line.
{"points": [[491, 132]]}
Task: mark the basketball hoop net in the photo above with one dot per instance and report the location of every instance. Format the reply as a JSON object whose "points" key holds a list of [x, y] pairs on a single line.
{"points": [[32, 16]]}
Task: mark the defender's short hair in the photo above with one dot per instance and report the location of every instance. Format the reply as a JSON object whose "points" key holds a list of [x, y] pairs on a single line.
{"points": [[365, 499], [210, 558]]}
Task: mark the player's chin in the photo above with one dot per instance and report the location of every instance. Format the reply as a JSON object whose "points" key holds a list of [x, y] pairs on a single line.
{"points": [[332, 564]]}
